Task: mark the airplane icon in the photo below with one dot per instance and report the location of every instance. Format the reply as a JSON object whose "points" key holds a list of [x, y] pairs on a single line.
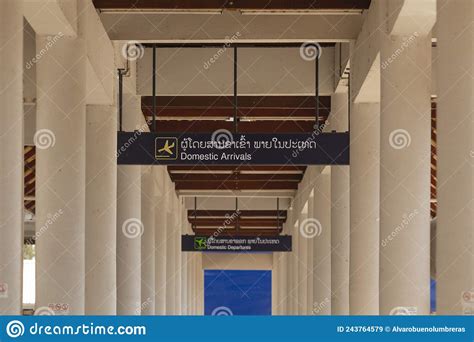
{"points": [[200, 243], [167, 148]]}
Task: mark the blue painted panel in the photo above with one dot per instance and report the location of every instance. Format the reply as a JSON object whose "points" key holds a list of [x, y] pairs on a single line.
{"points": [[237, 292]]}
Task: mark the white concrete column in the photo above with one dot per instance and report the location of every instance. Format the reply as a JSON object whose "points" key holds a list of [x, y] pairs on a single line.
{"points": [[295, 257], [309, 258], [189, 273], [129, 231], [455, 126], [281, 280], [171, 262], [177, 252], [170, 267], [129, 223], [184, 263], [289, 266], [200, 285], [60, 174], [283, 275], [364, 209], [184, 285], [189, 285], [160, 242], [192, 283], [405, 159], [289, 261], [340, 217], [303, 264], [283, 285], [189, 281], [101, 210], [11, 156], [148, 242], [275, 283], [194, 294], [189, 266], [322, 245]]}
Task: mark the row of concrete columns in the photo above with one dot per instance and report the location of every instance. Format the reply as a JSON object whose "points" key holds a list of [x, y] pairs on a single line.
{"points": [[86, 264], [352, 271], [455, 232], [371, 242], [314, 278], [11, 155], [107, 237]]}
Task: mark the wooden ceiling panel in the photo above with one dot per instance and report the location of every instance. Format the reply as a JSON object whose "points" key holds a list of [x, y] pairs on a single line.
{"points": [[255, 107], [29, 170], [243, 168], [254, 223], [233, 185], [242, 213], [179, 126], [234, 4], [237, 177], [240, 232]]}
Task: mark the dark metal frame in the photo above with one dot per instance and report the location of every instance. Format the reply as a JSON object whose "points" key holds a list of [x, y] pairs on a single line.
{"points": [[235, 47], [120, 98]]}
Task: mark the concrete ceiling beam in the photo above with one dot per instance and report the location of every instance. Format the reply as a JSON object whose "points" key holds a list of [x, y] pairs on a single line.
{"points": [[52, 17], [165, 27]]}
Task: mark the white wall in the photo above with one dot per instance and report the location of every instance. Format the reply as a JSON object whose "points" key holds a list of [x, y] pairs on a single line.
{"points": [[237, 261], [262, 71]]}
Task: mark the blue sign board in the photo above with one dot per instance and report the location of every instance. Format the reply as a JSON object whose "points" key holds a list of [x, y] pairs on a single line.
{"points": [[225, 148], [196, 243]]}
